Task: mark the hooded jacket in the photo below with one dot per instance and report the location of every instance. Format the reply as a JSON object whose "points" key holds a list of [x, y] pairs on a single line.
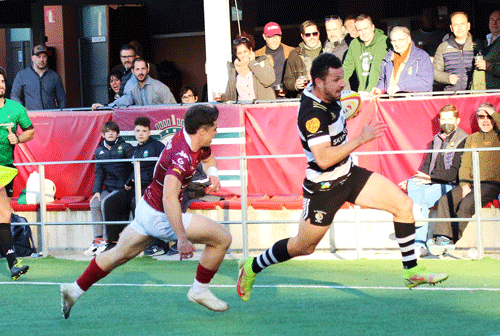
{"points": [[366, 60]]}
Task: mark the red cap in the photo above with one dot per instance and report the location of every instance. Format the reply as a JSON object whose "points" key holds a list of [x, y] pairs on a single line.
{"points": [[271, 29]]}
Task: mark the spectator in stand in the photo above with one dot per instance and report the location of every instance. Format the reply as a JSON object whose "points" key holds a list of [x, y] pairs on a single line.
{"points": [[350, 25], [454, 56], [298, 65], [147, 91], [119, 205], [250, 77], [114, 80], [188, 94], [335, 32], [439, 171], [429, 35], [128, 54], [38, 87], [488, 60], [365, 54], [277, 50], [459, 202], [406, 68], [12, 115], [110, 177], [153, 71]]}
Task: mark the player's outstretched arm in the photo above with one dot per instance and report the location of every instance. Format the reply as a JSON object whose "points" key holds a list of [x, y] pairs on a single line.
{"points": [[327, 155]]}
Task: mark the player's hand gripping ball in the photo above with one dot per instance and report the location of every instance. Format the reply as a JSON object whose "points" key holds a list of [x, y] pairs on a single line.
{"points": [[350, 102]]}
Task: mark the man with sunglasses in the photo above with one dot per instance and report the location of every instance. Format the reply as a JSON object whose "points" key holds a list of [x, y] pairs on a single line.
{"points": [[277, 50], [366, 53], [300, 59], [459, 202], [336, 33]]}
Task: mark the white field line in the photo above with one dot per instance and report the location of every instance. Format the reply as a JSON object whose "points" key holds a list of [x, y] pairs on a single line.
{"points": [[433, 288]]}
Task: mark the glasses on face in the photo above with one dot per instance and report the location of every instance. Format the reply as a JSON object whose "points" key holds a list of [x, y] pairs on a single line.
{"points": [[127, 57], [187, 96], [313, 34], [483, 116], [332, 17], [240, 40], [399, 40]]}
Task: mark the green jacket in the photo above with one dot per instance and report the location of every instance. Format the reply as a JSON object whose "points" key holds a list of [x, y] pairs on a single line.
{"points": [[366, 60]]}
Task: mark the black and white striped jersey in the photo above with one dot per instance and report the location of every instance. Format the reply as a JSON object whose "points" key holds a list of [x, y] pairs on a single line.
{"points": [[319, 122]]}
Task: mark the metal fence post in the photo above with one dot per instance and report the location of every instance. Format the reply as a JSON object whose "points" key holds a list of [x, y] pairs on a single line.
{"points": [[244, 214], [43, 208], [356, 217], [476, 180], [137, 178]]}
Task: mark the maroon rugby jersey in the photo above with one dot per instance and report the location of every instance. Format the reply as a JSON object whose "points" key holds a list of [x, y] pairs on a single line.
{"points": [[179, 160]]}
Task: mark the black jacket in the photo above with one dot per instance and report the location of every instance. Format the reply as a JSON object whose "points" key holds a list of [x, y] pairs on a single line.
{"points": [[151, 148], [112, 175]]}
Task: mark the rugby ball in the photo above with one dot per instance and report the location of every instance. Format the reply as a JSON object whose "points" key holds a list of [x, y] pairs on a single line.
{"points": [[350, 102]]}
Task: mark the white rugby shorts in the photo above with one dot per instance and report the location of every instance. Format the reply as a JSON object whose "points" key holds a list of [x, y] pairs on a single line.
{"points": [[151, 222]]}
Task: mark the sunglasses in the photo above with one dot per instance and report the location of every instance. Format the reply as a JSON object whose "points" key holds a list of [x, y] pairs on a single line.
{"points": [[313, 34], [240, 40], [332, 17], [483, 116]]}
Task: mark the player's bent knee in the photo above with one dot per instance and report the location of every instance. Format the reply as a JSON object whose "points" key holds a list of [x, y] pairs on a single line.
{"points": [[225, 239], [404, 208]]}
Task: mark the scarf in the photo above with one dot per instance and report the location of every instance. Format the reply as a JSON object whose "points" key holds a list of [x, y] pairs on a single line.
{"points": [[399, 59]]}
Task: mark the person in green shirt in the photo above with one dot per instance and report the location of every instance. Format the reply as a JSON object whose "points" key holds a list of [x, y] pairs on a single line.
{"points": [[12, 115]]}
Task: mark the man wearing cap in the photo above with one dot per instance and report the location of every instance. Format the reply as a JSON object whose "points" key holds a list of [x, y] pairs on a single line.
{"points": [[277, 50], [38, 87]]}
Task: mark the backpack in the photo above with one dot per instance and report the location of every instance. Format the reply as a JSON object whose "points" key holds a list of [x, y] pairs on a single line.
{"points": [[22, 239]]}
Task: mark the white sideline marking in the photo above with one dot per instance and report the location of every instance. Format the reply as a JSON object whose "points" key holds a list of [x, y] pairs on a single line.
{"points": [[270, 286]]}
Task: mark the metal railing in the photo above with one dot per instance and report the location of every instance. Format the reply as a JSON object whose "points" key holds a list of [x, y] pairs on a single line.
{"points": [[244, 193], [288, 100]]}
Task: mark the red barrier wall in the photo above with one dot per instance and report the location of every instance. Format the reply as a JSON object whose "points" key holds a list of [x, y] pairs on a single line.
{"points": [[270, 129]]}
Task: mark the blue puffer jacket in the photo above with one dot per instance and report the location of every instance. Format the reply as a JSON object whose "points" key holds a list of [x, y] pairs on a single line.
{"points": [[449, 59], [417, 74], [112, 175]]}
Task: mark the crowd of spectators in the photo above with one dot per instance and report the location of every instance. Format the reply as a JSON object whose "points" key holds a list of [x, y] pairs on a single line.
{"points": [[431, 58]]}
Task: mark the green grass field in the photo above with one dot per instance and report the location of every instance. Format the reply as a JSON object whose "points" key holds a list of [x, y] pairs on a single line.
{"points": [[304, 297]]}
